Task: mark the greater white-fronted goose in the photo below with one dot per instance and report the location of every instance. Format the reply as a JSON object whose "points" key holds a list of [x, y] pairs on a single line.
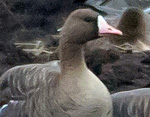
{"points": [[71, 91], [134, 24], [133, 103]]}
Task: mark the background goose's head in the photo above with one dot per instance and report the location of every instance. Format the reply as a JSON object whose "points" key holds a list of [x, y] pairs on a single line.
{"points": [[84, 25], [132, 24]]}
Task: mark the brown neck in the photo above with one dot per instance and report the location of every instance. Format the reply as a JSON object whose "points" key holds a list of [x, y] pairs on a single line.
{"points": [[71, 57]]}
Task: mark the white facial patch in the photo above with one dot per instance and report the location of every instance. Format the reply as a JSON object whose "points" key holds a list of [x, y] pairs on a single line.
{"points": [[100, 20]]}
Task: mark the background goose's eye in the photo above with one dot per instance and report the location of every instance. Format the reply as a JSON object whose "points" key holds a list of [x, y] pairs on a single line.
{"points": [[88, 19]]}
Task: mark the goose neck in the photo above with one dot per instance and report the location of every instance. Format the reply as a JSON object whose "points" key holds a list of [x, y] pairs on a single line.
{"points": [[71, 56]]}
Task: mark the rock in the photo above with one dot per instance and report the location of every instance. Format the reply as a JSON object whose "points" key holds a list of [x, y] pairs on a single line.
{"points": [[120, 71], [29, 21], [128, 72], [11, 56], [95, 59]]}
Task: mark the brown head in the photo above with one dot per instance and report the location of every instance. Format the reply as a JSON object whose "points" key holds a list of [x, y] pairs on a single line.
{"points": [[132, 25], [84, 25]]}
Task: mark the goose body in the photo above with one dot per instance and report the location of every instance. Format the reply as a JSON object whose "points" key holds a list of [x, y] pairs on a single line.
{"points": [[68, 90], [133, 103], [19, 80]]}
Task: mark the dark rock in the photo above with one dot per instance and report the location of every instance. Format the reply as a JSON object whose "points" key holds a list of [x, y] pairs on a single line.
{"points": [[126, 73], [147, 59], [45, 15], [96, 58], [29, 21], [11, 56]]}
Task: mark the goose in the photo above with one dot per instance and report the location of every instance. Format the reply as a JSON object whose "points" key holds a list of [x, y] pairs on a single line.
{"points": [[71, 90], [134, 23], [133, 103]]}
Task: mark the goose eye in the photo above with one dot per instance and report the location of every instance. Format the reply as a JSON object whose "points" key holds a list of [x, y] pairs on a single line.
{"points": [[88, 19]]}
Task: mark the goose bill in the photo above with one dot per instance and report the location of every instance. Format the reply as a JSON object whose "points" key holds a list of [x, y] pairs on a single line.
{"points": [[105, 28]]}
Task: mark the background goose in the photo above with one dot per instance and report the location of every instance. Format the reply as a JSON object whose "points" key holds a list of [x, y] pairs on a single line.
{"points": [[134, 23], [72, 90], [134, 26], [133, 103]]}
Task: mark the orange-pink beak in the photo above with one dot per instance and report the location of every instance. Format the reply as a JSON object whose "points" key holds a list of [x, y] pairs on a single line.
{"points": [[105, 28]]}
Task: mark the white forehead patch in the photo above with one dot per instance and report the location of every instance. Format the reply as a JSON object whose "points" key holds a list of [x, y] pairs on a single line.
{"points": [[100, 20]]}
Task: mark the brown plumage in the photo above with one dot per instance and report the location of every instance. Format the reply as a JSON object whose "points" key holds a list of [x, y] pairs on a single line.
{"points": [[134, 24], [68, 90]]}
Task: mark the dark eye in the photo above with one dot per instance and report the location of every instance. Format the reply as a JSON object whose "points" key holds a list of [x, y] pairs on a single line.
{"points": [[88, 19]]}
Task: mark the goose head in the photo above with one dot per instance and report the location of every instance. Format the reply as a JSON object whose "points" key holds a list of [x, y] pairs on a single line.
{"points": [[132, 24], [84, 25]]}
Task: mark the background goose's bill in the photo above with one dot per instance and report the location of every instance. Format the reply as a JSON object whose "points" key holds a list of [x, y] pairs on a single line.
{"points": [[105, 29]]}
